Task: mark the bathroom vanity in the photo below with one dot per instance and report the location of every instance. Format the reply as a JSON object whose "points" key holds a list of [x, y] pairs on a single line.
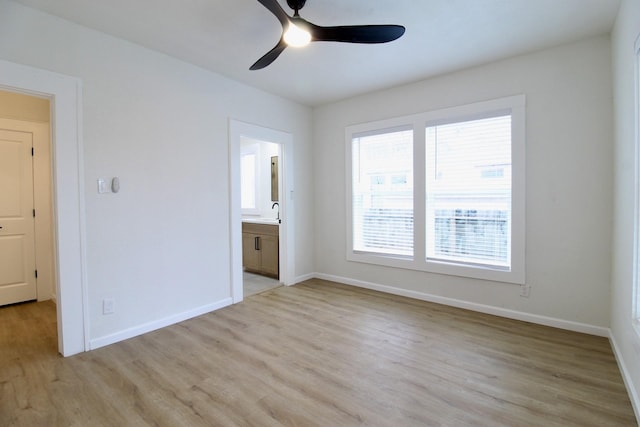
{"points": [[260, 247]]}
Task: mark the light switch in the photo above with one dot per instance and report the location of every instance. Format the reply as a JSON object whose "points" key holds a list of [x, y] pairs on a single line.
{"points": [[102, 186]]}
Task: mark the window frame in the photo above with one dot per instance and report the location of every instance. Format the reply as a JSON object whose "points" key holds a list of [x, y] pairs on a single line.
{"points": [[419, 122], [635, 309]]}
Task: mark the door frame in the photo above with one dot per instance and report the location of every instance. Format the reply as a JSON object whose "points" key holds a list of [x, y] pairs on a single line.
{"points": [[238, 129], [65, 95]]}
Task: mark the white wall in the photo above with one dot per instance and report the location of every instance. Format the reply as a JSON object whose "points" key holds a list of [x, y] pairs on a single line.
{"points": [[267, 150], [569, 180], [160, 247], [627, 342]]}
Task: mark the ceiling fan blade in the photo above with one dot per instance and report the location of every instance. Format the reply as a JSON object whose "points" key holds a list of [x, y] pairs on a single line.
{"points": [[275, 8], [270, 56], [357, 33]]}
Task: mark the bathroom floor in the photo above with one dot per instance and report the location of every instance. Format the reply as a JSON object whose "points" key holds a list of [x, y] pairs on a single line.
{"points": [[255, 283]]}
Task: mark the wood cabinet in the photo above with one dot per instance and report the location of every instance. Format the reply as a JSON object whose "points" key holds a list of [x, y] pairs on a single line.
{"points": [[260, 249]]}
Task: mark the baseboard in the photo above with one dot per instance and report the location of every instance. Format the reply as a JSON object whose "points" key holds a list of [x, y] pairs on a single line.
{"points": [[626, 377], [156, 324], [482, 308], [304, 277]]}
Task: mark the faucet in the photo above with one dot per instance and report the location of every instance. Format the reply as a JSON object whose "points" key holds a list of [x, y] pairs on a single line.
{"points": [[278, 214]]}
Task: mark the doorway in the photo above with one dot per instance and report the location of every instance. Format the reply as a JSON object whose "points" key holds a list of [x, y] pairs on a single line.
{"points": [[261, 218], [65, 94], [26, 237], [239, 132]]}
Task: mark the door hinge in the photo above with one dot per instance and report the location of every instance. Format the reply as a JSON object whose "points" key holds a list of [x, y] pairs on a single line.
{"points": [[34, 213], [36, 274], [32, 151]]}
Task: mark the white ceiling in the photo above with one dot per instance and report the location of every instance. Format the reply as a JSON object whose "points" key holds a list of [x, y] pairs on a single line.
{"points": [[442, 36]]}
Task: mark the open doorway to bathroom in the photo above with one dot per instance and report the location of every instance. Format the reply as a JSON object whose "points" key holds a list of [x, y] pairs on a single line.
{"points": [[261, 218]]}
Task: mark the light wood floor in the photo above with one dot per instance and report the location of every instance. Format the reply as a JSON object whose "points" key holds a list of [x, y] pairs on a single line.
{"points": [[316, 354]]}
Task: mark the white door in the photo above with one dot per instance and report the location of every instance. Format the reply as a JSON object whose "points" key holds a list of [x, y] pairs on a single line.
{"points": [[17, 244]]}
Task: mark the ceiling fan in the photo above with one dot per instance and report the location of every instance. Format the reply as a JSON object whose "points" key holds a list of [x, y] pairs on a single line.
{"points": [[298, 32]]}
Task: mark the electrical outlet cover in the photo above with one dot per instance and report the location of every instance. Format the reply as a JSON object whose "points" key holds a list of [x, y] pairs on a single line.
{"points": [[108, 306]]}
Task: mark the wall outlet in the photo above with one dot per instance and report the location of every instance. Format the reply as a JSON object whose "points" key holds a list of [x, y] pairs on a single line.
{"points": [[525, 291], [108, 306]]}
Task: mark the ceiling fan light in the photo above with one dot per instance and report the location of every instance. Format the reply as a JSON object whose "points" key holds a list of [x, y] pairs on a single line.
{"points": [[296, 36]]}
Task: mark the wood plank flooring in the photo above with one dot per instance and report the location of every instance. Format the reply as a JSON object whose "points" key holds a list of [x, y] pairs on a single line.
{"points": [[315, 354]]}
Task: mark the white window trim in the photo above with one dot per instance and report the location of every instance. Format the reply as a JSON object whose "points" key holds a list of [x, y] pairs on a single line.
{"points": [[516, 274], [635, 310]]}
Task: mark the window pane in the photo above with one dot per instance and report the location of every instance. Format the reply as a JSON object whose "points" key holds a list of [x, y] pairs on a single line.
{"points": [[383, 193], [468, 168], [248, 181]]}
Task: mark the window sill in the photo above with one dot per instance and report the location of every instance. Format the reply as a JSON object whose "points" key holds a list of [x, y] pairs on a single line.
{"points": [[479, 272]]}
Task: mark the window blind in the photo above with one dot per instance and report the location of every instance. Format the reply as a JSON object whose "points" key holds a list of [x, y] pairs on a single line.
{"points": [[382, 193], [468, 191]]}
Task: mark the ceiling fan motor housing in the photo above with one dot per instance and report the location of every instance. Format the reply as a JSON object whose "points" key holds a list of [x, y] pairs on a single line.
{"points": [[296, 4]]}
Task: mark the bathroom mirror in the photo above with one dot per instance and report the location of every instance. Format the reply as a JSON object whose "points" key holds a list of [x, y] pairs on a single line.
{"points": [[274, 178]]}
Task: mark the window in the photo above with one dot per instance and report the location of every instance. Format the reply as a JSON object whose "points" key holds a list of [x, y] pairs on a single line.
{"points": [[636, 243], [468, 187], [441, 191], [383, 192], [248, 181]]}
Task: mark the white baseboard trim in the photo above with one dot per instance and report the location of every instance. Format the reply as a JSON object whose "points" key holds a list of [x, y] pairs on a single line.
{"points": [[482, 308], [626, 377], [156, 324], [304, 277]]}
